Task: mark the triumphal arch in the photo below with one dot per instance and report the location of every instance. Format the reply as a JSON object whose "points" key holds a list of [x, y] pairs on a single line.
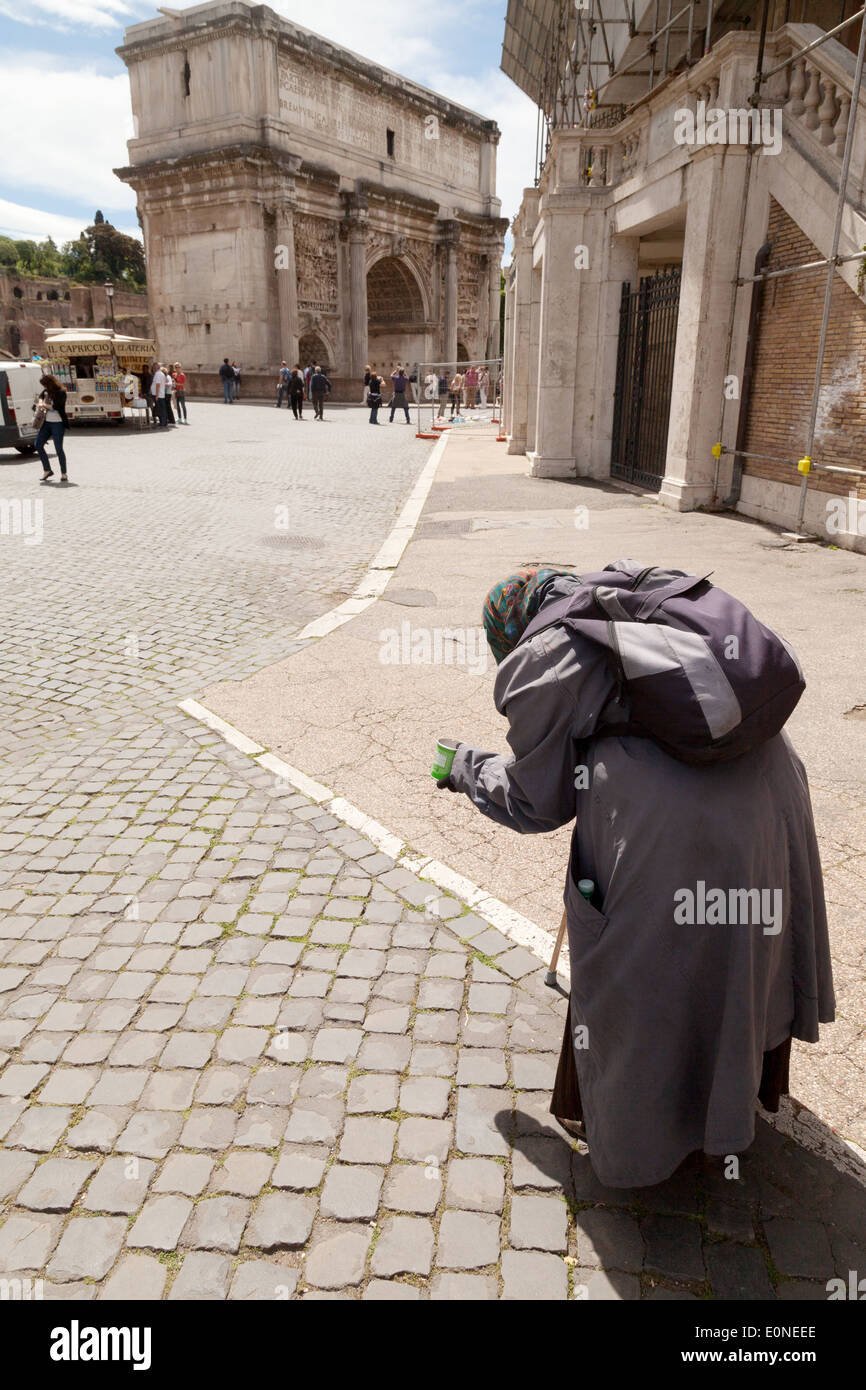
{"points": [[300, 202]]}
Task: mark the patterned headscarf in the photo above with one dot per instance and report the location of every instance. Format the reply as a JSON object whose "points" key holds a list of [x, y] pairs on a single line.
{"points": [[510, 607]]}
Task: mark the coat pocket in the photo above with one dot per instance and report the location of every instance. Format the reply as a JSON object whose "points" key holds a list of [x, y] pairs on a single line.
{"points": [[581, 915]]}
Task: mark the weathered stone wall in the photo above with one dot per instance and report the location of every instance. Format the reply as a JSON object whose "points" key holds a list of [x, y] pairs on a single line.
{"points": [[30, 304]]}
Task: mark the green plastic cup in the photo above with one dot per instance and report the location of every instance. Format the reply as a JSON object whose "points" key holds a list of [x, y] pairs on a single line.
{"points": [[444, 760]]}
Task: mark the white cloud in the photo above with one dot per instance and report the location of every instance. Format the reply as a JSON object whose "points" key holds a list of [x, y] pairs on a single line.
{"points": [[66, 14], [33, 224], [71, 128]]}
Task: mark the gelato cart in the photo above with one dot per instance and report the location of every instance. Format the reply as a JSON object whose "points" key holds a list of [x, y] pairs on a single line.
{"points": [[100, 370]]}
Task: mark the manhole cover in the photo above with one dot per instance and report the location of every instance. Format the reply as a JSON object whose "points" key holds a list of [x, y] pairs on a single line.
{"points": [[411, 598], [294, 542]]}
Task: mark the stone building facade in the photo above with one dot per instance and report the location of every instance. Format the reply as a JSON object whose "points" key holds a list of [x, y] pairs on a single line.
{"points": [[300, 202], [31, 303], [631, 232]]}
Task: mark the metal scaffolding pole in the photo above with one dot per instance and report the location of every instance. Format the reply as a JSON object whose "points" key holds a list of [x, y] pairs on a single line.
{"points": [[831, 269]]}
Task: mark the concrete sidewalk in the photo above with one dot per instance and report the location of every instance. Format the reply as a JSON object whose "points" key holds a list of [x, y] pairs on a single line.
{"points": [[343, 712]]}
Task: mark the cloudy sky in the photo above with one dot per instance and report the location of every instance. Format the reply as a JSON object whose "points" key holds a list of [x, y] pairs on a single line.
{"points": [[64, 95]]}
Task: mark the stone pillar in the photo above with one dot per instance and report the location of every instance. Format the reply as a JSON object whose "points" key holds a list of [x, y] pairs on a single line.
{"points": [[507, 410], [287, 282], [451, 241], [710, 266], [520, 362], [358, 283]]}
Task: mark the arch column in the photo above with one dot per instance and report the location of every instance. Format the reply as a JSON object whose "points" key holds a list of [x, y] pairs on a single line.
{"points": [[356, 218], [287, 280], [450, 241]]}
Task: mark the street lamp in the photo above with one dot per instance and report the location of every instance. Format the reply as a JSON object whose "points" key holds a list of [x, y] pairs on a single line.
{"points": [[109, 290]]}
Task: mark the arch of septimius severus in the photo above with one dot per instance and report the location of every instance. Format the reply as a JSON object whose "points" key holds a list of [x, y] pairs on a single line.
{"points": [[300, 202]]}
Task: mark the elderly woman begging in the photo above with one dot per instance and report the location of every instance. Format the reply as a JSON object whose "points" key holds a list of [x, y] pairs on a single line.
{"points": [[701, 948]]}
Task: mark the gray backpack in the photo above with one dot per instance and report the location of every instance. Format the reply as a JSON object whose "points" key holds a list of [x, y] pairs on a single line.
{"points": [[702, 676]]}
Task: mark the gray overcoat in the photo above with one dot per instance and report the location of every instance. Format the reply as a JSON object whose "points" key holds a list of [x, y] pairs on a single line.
{"points": [[676, 990]]}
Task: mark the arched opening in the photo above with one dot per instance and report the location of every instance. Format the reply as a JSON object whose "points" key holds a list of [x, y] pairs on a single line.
{"points": [[313, 352], [396, 326], [462, 354]]}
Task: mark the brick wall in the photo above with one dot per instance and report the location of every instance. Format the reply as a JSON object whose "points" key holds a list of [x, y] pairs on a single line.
{"points": [[784, 368]]}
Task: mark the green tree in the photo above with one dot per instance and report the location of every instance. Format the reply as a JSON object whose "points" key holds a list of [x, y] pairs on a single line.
{"points": [[103, 253]]}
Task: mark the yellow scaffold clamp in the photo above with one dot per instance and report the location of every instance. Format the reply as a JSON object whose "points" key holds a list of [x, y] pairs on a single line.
{"points": [[805, 465], [716, 450]]}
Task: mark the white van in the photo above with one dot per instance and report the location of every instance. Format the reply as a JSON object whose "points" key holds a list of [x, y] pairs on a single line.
{"points": [[19, 388]]}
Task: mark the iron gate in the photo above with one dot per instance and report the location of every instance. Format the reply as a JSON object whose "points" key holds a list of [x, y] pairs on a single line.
{"points": [[644, 373]]}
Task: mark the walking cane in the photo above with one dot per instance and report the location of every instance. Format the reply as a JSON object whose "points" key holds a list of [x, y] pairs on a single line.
{"points": [[550, 977]]}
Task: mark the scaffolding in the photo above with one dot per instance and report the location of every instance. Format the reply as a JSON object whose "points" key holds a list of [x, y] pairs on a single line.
{"points": [[550, 51]]}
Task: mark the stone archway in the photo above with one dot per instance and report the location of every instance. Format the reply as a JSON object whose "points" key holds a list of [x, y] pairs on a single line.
{"points": [[313, 351], [396, 318]]}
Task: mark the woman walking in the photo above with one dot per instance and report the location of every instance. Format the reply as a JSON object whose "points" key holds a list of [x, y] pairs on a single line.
{"points": [[53, 427], [679, 1021], [169, 394], [180, 392], [296, 393]]}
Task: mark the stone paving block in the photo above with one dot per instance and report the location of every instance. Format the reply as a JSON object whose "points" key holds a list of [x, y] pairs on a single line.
{"points": [[314, 1121], [169, 1090], [150, 1134], [737, 1271], [134, 1049], [467, 1240], [489, 999], [300, 1167], [538, 1223], [274, 1086], [799, 1247], [20, 1079], [481, 1067], [425, 1095], [533, 1073], [211, 1127], [413, 1187], [475, 1184], [87, 1249], [540, 1161], [40, 1127], [729, 1220], [609, 1239], [432, 1059], [137, 1277], [336, 1044], [484, 1119], [351, 1192], [160, 1222], [323, 1082], [372, 1093], [99, 1129], [389, 1290], [244, 1045], [424, 1140], [281, 1222], [15, 1169], [361, 964], [384, 1053], [188, 1050], [259, 1279], [202, 1277], [598, 1285], [673, 1247], [483, 1031], [243, 1174], [528, 1275], [463, 1288], [220, 1085], [119, 1086], [26, 1241], [120, 1186], [68, 1085], [440, 1027], [367, 1140], [385, 1020], [185, 1173], [405, 1246], [337, 1257], [216, 1223]]}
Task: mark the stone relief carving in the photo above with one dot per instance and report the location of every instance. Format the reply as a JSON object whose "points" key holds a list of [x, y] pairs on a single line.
{"points": [[316, 261]]}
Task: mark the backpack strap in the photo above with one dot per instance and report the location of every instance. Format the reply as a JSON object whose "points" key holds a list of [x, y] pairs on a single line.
{"points": [[657, 597], [549, 614]]}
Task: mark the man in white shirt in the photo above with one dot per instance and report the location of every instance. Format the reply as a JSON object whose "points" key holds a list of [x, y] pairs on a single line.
{"points": [[157, 388]]}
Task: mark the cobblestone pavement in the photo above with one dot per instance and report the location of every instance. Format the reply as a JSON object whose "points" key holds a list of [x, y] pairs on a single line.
{"points": [[243, 1054]]}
